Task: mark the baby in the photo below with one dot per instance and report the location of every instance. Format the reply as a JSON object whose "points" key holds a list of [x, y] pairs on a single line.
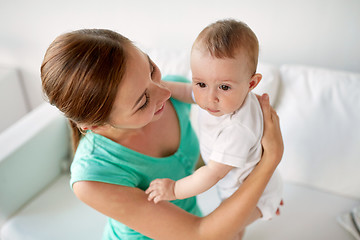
{"points": [[223, 62]]}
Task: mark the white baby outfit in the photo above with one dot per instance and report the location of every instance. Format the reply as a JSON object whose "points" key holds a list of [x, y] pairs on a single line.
{"points": [[235, 140]]}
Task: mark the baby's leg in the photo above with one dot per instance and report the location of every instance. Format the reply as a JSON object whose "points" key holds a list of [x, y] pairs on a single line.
{"points": [[256, 214]]}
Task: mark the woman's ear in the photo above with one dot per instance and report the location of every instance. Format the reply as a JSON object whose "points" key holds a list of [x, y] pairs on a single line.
{"points": [[84, 127], [254, 81]]}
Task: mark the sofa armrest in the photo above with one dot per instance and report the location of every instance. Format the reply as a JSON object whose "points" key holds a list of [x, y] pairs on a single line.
{"points": [[32, 152], [13, 99]]}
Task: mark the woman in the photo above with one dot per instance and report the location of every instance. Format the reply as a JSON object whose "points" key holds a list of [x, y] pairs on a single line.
{"points": [[133, 133]]}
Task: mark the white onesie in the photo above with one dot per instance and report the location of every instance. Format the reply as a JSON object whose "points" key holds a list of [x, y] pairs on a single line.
{"points": [[235, 140]]}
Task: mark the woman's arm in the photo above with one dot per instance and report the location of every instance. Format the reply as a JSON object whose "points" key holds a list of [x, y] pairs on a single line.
{"points": [[201, 180], [166, 221], [180, 91]]}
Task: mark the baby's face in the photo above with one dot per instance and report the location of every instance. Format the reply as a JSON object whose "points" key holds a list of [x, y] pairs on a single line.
{"points": [[220, 86]]}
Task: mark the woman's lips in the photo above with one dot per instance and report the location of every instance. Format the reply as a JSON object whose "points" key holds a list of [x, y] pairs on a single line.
{"points": [[161, 109]]}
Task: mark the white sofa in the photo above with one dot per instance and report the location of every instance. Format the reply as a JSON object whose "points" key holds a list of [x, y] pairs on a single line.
{"points": [[319, 112]]}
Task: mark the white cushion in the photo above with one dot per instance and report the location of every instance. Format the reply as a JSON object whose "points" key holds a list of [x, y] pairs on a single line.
{"points": [[270, 81], [320, 115], [171, 62]]}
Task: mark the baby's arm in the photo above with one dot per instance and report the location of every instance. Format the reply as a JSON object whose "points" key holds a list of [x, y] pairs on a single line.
{"points": [[180, 91], [201, 180]]}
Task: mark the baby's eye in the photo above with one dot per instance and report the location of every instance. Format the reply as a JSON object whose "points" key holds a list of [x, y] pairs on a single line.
{"points": [[202, 85], [224, 87]]}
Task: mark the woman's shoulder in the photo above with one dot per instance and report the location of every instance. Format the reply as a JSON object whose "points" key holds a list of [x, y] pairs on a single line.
{"points": [[95, 162]]}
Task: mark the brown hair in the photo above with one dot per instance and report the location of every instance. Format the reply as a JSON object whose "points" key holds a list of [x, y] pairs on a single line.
{"points": [[80, 74], [225, 38]]}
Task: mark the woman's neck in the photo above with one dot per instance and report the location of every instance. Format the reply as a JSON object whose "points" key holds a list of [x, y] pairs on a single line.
{"points": [[119, 135], [157, 139]]}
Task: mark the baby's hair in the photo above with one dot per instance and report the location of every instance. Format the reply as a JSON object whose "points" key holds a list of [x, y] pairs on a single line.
{"points": [[227, 38]]}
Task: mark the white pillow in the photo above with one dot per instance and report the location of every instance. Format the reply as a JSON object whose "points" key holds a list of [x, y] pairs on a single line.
{"points": [[270, 81], [319, 113], [171, 62]]}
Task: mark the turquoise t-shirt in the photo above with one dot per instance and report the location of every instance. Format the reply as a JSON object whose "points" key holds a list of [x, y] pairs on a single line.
{"points": [[100, 159]]}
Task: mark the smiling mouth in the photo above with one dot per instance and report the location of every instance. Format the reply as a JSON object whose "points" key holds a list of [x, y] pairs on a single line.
{"points": [[161, 109]]}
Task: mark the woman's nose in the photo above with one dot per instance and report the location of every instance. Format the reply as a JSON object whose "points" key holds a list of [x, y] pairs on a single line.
{"points": [[163, 92]]}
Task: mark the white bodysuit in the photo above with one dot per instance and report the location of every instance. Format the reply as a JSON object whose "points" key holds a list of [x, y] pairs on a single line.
{"points": [[235, 140]]}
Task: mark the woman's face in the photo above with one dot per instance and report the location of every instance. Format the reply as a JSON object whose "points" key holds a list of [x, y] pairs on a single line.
{"points": [[141, 97]]}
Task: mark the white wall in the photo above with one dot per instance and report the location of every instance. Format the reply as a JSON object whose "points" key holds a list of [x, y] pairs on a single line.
{"points": [[323, 33]]}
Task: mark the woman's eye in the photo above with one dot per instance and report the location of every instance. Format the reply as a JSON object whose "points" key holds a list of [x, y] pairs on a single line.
{"points": [[224, 87], [202, 85], [147, 99]]}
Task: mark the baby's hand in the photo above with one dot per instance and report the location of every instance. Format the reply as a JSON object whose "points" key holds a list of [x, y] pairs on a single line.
{"points": [[161, 189]]}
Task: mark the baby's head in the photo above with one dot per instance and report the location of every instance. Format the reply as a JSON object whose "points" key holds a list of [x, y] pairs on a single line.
{"points": [[223, 62]]}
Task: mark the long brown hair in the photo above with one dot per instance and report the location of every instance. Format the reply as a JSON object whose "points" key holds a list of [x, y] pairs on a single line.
{"points": [[80, 75]]}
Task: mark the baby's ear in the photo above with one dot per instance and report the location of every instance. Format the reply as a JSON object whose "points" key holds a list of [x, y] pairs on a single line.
{"points": [[254, 81]]}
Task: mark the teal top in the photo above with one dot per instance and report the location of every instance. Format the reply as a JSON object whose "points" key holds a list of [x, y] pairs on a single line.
{"points": [[100, 159]]}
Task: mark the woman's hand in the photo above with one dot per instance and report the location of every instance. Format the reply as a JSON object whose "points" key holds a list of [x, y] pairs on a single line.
{"points": [[272, 141]]}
